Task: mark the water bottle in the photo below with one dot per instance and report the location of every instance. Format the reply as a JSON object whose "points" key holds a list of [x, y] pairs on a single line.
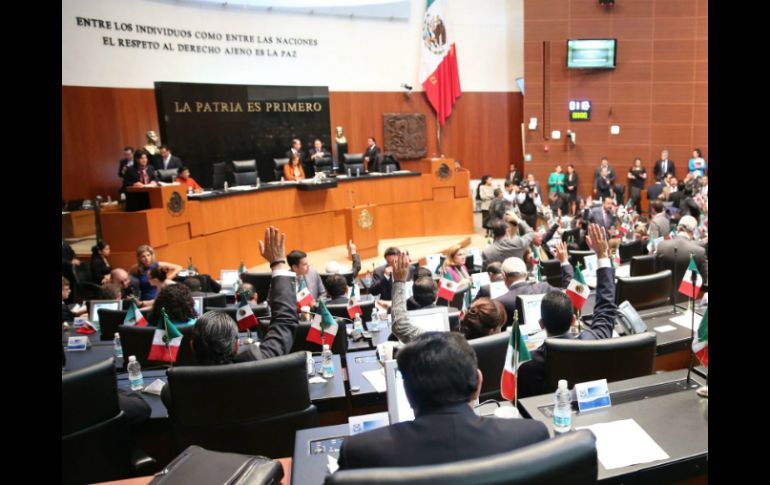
{"points": [[226, 186], [348, 172], [135, 374], [118, 347], [257, 182], [327, 368], [189, 190], [310, 364], [562, 410], [358, 172], [374, 325], [358, 325]]}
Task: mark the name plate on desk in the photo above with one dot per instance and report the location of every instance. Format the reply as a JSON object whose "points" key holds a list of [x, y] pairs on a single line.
{"points": [[368, 422], [77, 344], [592, 395]]}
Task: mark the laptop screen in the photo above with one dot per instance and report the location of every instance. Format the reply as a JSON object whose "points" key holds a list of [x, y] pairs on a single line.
{"points": [[399, 409], [228, 277], [431, 319], [530, 318], [105, 304], [198, 305]]}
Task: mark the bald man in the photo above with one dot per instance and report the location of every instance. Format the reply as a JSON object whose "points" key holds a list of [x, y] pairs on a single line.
{"points": [[129, 285]]}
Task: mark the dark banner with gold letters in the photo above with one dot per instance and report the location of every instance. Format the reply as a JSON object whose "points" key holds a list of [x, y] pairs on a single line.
{"points": [[204, 124]]}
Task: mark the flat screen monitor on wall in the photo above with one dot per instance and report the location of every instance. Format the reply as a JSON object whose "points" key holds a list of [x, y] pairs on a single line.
{"points": [[591, 53]]}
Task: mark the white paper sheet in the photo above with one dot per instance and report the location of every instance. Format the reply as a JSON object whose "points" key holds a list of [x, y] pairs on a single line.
{"points": [[685, 319], [665, 328], [624, 443], [376, 378]]}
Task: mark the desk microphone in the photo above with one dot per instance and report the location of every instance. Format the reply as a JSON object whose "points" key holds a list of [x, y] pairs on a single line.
{"points": [[673, 298]]}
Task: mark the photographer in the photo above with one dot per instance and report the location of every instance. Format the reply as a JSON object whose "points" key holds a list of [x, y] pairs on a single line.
{"points": [[529, 200]]}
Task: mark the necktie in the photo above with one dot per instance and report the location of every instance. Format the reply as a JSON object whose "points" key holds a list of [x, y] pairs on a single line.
{"points": [[302, 284], [143, 175]]}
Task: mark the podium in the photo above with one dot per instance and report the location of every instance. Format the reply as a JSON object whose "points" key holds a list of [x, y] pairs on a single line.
{"points": [[360, 225]]}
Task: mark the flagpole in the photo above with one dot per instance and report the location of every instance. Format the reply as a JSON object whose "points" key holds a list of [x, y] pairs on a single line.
{"points": [[438, 133], [693, 279], [673, 297], [168, 340], [516, 359]]}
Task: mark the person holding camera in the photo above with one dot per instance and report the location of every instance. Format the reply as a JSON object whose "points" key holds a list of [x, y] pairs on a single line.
{"points": [[529, 200]]}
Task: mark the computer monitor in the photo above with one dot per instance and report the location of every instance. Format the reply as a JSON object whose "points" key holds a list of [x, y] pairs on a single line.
{"points": [[529, 318], [105, 304], [399, 409], [431, 319], [433, 262], [198, 305], [227, 278], [476, 254]]}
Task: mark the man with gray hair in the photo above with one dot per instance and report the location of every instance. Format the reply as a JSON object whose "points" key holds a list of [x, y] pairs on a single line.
{"points": [[508, 243], [515, 277], [674, 254]]}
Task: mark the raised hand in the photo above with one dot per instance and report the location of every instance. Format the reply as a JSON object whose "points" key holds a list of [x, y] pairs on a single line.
{"points": [[272, 249], [401, 268], [597, 241], [560, 251]]}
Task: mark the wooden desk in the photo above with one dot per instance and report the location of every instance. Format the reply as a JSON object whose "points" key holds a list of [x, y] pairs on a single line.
{"points": [[219, 230], [81, 223]]}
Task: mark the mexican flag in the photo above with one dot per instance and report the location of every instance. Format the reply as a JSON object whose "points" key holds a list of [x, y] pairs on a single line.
{"points": [[686, 286], [135, 317], [304, 298], [578, 290], [701, 343], [439, 75], [322, 327], [246, 318], [354, 308], [447, 289], [165, 341], [241, 269], [516, 355]]}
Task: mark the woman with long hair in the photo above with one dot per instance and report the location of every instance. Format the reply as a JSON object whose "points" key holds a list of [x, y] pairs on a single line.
{"points": [[293, 170], [145, 262], [100, 265]]}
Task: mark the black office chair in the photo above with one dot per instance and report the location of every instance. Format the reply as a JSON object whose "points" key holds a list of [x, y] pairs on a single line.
{"points": [[630, 249], [353, 161], [245, 172], [261, 311], [642, 265], [454, 319], [341, 310], [278, 167], [251, 407], [551, 269], [324, 164], [109, 320], [571, 236], [167, 175], [219, 301], [568, 459], [491, 351], [260, 282], [613, 359], [576, 257], [390, 164], [138, 340], [95, 435], [647, 291], [339, 346], [220, 175]]}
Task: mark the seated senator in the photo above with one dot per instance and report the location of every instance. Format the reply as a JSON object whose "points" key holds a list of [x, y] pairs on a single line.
{"points": [[293, 170], [441, 380]]}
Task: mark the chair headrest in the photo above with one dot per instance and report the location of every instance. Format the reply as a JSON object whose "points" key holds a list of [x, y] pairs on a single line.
{"points": [[244, 166]]}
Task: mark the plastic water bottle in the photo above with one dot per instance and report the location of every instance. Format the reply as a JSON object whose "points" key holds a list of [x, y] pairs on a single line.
{"points": [[257, 182], [118, 347], [226, 186], [135, 377], [562, 411], [358, 171], [374, 325], [327, 367], [358, 325], [348, 172], [310, 364]]}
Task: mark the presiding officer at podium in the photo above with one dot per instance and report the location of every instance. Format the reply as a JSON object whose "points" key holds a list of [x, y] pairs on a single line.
{"points": [[141, 173]]}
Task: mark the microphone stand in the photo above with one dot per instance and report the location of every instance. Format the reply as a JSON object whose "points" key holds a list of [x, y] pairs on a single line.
{"points": [[673, 293]]}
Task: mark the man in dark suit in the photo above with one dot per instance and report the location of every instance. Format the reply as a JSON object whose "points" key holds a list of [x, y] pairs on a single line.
{"points": [[604, 216], [659, 224], [556, 316], [654, 190], [317, 153], [424, 294], [372, 156], [336, 289], [296, 149], [307, 277], [382, 279], [129, 285], [167, 160], [674, 254], [515, 275], [610, 175], [441, 380], [664, 166], [124, 163], [495, 272]]}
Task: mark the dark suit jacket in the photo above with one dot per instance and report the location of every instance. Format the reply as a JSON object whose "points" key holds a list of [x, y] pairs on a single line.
{"points": [[664, 258], [575, 182], [122, 165], [300, 153], [173, 162], [659, 174], [283, 322], [132, 175], [531, 378], [312, 152], [373, 152], [654, 191], [384, 286], [603, 187], [596, 216], [531, 288], [445, 435]]}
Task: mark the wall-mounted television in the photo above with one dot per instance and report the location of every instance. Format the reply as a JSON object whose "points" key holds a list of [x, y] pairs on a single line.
{"points": [[591, 53]]}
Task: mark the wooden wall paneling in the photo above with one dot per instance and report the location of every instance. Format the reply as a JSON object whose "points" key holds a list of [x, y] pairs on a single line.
{"points": [[674, 50], [179, 253], [673, 28], [223, 250], [195, 220], [316, 231], [634, 28], [446, 217], [340, 237], [248, 241], [443, 193], [178, 233], [675, 8]]}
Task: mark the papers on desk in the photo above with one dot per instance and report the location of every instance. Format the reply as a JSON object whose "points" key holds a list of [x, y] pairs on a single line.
{"points": [[155, 387], [685, 319], [376, 378], [624, 443], [664, 328], [317, 380], [331, 464], [237, 188], [497, 289], [479, 280], [76, 309]]}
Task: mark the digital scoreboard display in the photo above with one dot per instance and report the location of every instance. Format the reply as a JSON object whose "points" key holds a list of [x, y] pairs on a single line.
{"points": [[579, 110]]}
